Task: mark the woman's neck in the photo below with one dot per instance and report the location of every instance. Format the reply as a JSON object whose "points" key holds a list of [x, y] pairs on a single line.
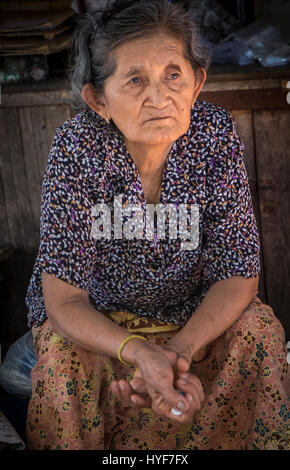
{"points": [[148, 159]]}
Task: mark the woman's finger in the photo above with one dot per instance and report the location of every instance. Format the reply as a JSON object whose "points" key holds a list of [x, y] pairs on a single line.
{"points": [[162, 408], [139, 385], [159, 406], [127, 392], [191, 389], [163, 388], [157, 367], [194, 380], [194, 400], [142, 401], [124, 392], [116, 390]]}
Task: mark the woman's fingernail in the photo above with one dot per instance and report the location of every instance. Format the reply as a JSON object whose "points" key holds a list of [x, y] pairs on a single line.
{"points": [[181, 405], [182, 382], [184, 375], [190, 397]]}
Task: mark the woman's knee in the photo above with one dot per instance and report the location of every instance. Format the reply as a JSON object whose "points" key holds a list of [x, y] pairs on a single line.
{"points": [[259, 318], [259, 328]]}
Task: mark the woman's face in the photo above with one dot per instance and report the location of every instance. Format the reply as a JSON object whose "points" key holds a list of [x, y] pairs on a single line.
{"points": [[151, 92]]}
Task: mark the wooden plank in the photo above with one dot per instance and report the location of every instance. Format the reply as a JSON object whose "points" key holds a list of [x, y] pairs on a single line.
{"points": [[55, 115], [41, 144], [273, 98], [245, 130], [244, 123], [20, 181], [5, 169], [31, 98], [254, 84], [226, 72], [38, 128], [273, 168], [14, 180], [4, 229], [31, 158]]}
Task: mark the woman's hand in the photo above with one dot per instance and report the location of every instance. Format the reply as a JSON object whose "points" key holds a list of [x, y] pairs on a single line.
{"points": [[188, 383], [136, 395], [191, 387], [183, 353], [140, 394], [156, 375]]}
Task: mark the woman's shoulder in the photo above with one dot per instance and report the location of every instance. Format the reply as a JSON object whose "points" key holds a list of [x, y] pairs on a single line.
{"points": [[214, 129], [213, 140], [209, 119], [84, 129], [80, 141]]}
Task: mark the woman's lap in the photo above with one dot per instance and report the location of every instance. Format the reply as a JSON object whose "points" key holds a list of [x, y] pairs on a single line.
{"points": [[72, 405]]}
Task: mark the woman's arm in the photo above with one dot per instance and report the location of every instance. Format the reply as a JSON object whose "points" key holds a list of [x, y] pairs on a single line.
{"points": [[73, 317], [222, 305]]}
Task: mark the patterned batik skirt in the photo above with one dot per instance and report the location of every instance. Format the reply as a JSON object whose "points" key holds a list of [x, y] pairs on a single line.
{"points": [[242, 372]]}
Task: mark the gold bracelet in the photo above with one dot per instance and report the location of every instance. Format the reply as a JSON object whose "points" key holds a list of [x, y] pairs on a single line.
{"points": [[122, 345]]}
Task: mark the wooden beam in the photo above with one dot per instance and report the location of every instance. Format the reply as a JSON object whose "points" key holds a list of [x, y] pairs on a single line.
{"points": [[273, 98], [244, 121], [272, 138]]}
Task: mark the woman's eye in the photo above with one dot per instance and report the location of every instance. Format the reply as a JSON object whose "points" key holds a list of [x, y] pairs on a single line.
{"points": [[135, 81], [173, 76]]}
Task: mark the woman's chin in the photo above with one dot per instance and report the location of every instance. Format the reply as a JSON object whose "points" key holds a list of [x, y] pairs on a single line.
{"points": [[157, 137]]}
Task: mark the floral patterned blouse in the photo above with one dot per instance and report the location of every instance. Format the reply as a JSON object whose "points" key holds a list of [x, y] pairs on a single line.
{"points": [[89, 164]]}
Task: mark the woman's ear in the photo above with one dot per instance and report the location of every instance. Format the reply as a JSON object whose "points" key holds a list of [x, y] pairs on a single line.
{"points": [[200, 78], [94, 101]]}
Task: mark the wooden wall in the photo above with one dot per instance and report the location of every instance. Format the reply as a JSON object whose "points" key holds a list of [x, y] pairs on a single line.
{"points": [[26, 134], [28, 120], [262, 114]]}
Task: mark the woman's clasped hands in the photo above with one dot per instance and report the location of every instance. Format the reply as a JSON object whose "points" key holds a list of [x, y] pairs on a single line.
{"points": [[162, 374]]}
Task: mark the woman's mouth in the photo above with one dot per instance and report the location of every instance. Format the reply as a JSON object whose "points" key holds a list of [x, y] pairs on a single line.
{"points": [[158, 118]]}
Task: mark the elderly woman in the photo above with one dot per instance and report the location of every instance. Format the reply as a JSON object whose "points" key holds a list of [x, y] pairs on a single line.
{"points": [[148, 342]]}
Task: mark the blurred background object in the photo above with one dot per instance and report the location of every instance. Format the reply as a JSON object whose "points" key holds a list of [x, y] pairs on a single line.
{"points": [[23, 69], [266, 39], [30, 31], [35, 28], [241, 35]]}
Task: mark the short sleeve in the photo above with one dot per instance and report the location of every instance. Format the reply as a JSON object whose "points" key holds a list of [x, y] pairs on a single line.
{"points": [[65, 250], [231, 244]]}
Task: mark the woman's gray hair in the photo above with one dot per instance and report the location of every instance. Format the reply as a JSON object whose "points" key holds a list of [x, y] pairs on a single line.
{"points": [[97, 34]]}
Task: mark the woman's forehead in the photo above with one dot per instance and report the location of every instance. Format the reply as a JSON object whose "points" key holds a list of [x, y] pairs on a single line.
{"points": [[142, 52]]}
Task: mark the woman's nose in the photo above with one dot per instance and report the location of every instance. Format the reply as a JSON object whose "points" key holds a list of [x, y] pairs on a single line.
{"points": [[157, 95]]}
